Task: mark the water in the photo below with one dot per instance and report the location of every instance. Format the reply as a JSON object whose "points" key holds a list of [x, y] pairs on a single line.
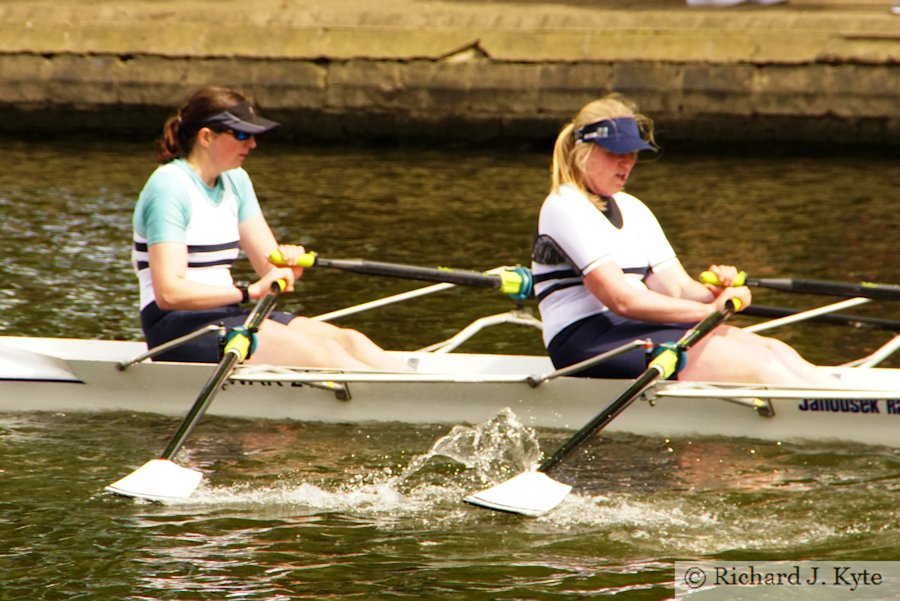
{"points": [[297, 510], [312, 511]]}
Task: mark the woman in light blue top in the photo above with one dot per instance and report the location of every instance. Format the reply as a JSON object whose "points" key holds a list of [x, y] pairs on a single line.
{"points": [[197, 211]]}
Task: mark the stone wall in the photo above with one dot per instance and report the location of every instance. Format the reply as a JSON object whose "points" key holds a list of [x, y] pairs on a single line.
{"points": [[829, 76]]}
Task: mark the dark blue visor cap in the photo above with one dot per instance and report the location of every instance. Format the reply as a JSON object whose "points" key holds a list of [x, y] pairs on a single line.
{"points": [[619, 136], [241, 117]]}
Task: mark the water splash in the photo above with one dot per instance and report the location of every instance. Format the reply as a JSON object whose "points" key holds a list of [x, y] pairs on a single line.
{"points": [[651, 515], [464, 459], [494, 450]]}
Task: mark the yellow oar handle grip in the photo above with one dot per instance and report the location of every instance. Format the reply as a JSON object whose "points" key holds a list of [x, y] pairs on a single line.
{"points": [[736, 302], [708, 277], [511, 282], [305, 260], [667, 362], [241, 344]]}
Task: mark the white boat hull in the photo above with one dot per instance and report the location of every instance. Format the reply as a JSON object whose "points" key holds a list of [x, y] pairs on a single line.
{"points": [[64, 375]]}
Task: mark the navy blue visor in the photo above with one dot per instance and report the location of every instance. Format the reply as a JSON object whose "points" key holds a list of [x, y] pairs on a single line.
{"points": [[619, 136], [240, 118]]}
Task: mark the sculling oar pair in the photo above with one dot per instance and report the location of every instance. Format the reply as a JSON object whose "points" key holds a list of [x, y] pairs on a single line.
{"points": [[534, 492], [850, 290], [162, 479], [515, 282]]}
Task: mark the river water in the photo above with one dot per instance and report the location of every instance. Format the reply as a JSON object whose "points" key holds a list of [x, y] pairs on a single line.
{"points": [[300, 510]]}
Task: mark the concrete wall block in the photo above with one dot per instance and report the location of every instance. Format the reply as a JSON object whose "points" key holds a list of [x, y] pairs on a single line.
{"points": [[793, 89], [80, 80], [736, 80], [712, 89], [436, 89], [294, 84], [502, 89], [844, 90], [869, 80], [793, 79], [423, 87], [160, 81], [859, 106], [23, 79], [655, 87], [360, 85], [563, 88], [866, 90], [475, 87], [108, 80], [289, 84]]}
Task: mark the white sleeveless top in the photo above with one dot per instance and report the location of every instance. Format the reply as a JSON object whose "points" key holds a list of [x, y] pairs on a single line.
{"points": [[589, 239], [211, 236]]}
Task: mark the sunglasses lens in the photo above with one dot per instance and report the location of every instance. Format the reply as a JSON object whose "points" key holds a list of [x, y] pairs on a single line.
{"points": [[241, 135]]}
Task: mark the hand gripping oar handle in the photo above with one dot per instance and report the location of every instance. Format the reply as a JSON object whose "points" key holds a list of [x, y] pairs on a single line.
{"points": [[515, 282], [666, 362], [849, 290], [236, 350]]}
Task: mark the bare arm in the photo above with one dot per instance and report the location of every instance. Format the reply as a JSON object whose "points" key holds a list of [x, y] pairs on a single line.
{"points": [[673, 296], [173, 291], [258, 242], [675, 281]]}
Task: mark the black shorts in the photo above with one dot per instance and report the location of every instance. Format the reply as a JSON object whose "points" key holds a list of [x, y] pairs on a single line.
{"points": [[603, 332], [162, 326]]}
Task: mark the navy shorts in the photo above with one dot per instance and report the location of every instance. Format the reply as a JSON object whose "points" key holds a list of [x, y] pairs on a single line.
{"points": [[161, 326], [603, 332]]}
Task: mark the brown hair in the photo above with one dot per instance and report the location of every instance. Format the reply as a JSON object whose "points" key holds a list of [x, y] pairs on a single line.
{"points": [[569, 158], [180, 130]]}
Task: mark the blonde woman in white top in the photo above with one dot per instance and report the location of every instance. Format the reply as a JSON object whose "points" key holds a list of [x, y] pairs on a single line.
{"points": [[605, 273]]}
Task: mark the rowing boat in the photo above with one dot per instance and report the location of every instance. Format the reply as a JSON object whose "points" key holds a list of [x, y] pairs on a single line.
{"points": [[65, 375], [60, 374]]}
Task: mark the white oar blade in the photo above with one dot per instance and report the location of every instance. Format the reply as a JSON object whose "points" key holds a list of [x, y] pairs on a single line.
{"points": [[529, 493], [158, 480]]}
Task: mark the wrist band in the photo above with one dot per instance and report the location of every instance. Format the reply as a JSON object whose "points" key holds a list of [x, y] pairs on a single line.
{"points": [[245, 293]]}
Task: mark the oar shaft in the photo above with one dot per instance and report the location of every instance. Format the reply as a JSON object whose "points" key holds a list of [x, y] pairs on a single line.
{"points": [[223, 370], [515, 282], [410, 272], [602, 419], [234, 354], [800, 286], [863, 289], [834, 318]]}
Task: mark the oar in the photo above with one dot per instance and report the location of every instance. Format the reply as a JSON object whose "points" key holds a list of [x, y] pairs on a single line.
{"points": [[832, 318], [863, 289], [534, 492], [161, 479], [515, 282]]}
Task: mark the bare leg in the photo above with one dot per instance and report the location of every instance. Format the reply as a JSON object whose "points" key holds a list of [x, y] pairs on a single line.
{"points": [[815, 375], [732, 355], [354, 342], [315, 344]]}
